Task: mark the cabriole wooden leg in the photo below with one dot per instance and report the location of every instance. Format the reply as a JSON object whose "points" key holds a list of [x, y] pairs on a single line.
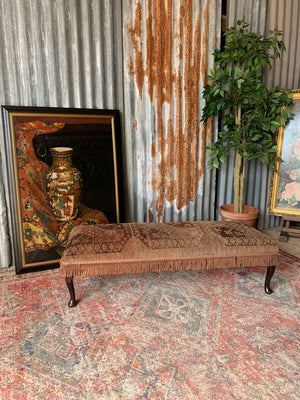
{"points": [[269, 274], [70, 285]]}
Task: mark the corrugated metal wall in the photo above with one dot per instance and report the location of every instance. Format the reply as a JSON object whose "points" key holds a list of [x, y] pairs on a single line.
{"points": [[4, 237], [252, 11], [286, 16], [167, 54], [59, 53]]}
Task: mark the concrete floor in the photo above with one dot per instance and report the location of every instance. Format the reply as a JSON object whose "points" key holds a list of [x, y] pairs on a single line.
{"points": [[292, 246]]}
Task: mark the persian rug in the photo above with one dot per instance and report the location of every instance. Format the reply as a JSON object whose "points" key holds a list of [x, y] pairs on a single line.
{"points": [[188, 335]]}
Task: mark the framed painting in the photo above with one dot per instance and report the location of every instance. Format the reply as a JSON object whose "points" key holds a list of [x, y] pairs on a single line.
{"points": [[284, 194], [63, 169]]}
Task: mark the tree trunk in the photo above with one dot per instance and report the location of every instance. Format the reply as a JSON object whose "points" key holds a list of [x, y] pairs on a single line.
{"points": [[238, 179], [236, 182], [239, 172]]}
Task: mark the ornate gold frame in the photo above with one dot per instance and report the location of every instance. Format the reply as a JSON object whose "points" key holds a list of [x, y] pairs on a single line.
{"points": [[284, 196]]}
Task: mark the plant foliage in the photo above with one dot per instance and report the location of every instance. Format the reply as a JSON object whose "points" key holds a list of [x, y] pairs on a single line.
{"points": [[251, 113]]}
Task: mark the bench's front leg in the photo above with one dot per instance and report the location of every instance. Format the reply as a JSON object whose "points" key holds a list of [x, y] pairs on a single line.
{"points": [[269, 274], [70, 285]]}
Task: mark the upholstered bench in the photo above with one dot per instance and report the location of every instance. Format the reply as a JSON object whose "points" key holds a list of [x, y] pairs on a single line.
{"points": [[129, 248]]}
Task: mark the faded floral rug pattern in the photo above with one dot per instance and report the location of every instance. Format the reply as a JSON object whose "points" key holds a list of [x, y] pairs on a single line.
{"points": [[209, 335]]}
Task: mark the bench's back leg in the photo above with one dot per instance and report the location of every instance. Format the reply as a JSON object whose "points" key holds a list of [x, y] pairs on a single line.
{"points": [[70, 285], [269, 274]]}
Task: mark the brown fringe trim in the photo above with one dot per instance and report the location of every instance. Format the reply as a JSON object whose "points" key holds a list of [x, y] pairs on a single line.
{"points": [[134, 267]]}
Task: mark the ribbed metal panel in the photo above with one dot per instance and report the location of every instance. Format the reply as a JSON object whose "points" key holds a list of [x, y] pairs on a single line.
{"points": [[4, 237], [286, 16], [167, 54], [252, 11], [59, 53]]}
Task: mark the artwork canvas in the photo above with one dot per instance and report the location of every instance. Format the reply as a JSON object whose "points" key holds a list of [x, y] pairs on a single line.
{"points": [[92, 137], [284, 198]]}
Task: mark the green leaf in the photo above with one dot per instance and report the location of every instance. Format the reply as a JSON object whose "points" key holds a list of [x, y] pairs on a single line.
{"points": [[239, 82]]}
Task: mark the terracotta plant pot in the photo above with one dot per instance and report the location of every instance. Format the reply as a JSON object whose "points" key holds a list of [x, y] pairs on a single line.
{"points": [[249, 214]]}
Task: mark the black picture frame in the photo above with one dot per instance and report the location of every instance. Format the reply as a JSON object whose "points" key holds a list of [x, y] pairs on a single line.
{"points": [[28, 134]]}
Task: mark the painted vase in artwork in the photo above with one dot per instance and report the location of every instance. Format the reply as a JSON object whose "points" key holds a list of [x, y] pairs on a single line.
{"points": [[63, 184]]}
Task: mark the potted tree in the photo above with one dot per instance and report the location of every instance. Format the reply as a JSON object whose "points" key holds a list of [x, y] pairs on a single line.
{"points": [[250, 112]]}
